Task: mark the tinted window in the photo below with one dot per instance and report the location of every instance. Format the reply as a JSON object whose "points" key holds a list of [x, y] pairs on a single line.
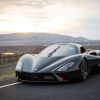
{"points": [[59, 51]]}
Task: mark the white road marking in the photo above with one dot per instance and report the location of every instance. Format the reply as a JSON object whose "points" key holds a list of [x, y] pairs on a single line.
{"points": [[9, 85]]}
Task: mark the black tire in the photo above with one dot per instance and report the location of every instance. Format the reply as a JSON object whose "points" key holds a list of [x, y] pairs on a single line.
{"points": [[84, 70]]}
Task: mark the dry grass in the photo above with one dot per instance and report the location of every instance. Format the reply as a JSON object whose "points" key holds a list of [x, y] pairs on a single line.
{"points": [[7, 71], [7, 75]]}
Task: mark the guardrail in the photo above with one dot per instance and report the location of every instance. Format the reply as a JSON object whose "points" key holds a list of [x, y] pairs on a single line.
{"points": [[9, 57]]}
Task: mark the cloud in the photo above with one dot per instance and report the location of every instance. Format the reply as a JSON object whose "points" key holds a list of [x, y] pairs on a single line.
{"points": [[60, 16]]}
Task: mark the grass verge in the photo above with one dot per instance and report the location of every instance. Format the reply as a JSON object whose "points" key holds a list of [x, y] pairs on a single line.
{"points": [[7, 64], [7, 75], [7, 71]]}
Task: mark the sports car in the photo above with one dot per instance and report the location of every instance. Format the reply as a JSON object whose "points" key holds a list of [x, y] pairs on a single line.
{"points": [[95, 53], [57, 63]]}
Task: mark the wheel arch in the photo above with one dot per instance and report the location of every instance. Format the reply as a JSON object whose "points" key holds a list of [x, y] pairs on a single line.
{"points": [[85, 58]]}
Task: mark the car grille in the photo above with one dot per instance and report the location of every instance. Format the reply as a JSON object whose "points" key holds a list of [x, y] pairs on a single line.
{"points": [[38, 77]]}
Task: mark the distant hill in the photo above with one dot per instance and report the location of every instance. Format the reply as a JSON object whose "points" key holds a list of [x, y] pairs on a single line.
{"points": [[41, 39]]}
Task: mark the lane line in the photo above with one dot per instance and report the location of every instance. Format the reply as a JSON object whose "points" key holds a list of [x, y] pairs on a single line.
{"points": [[9, 85]]}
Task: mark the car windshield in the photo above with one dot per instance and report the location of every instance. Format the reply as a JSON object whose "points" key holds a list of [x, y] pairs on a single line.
{"points": [[59, 51]]}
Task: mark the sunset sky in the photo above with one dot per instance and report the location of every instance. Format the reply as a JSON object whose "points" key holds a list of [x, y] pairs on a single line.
{"points": [[68, 17]]}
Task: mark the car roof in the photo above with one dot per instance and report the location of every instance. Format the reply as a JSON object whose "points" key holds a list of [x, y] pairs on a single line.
{"points": [[78, 45], [74, 44]]}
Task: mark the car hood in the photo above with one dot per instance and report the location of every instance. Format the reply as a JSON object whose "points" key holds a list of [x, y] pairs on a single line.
{"points": [[46, 64]]}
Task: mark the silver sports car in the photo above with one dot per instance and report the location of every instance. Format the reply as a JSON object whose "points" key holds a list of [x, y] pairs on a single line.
{"points": [[57, 63]]}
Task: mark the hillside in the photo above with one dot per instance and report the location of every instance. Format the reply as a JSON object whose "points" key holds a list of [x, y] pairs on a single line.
{"points": [[40, 39]]}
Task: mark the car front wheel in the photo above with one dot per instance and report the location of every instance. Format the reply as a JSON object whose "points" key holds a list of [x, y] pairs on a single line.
{"points": [[83, 70]]}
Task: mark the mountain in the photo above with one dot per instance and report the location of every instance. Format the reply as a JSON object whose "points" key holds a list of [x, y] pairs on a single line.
{"points": [[40, 39]]}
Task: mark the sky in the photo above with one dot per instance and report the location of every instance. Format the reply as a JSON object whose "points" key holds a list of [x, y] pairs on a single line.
{"points": [[77, 18]]}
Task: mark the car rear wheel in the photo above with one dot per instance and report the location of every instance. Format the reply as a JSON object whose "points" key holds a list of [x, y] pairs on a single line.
{"points": [[84, 70]]}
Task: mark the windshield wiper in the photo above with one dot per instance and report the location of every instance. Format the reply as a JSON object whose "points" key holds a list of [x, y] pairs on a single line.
{"points": [[50, 54]]}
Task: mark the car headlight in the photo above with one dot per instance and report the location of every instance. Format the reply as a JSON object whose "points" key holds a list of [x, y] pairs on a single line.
{"points": [[19, 66], [66, 66]]}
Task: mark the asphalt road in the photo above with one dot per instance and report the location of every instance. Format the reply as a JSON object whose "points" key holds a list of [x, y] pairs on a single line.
{"points": [[87, 90]]}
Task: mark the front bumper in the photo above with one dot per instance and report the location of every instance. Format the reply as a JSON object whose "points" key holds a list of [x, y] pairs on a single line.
{"points": [[47, 77]]}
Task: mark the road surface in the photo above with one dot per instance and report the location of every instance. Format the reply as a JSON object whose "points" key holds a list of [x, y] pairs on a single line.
{"points": [[87, 90]]}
